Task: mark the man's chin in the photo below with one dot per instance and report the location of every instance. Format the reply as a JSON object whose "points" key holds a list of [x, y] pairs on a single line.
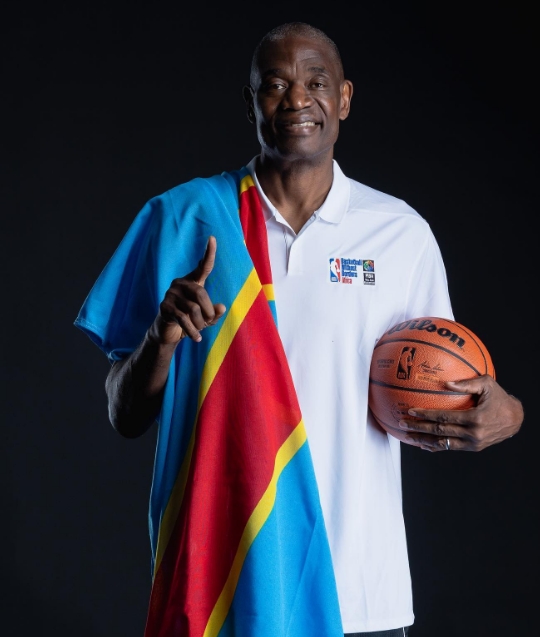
{"points": [[294, 148]]}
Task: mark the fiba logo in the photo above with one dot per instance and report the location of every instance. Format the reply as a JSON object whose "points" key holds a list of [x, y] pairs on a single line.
{"points": [[335, 270]]}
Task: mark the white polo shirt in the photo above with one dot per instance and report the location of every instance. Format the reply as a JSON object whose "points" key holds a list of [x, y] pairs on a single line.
{"points": [[363, 262]]}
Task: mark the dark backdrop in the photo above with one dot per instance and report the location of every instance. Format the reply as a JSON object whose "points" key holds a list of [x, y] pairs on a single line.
{"points": [[106, 106]]}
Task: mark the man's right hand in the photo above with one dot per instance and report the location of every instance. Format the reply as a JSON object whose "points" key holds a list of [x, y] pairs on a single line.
{"points": [[186, 308]]}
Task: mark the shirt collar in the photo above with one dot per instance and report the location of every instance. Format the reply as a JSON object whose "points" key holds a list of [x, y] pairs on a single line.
{"points": [[334, 206]]}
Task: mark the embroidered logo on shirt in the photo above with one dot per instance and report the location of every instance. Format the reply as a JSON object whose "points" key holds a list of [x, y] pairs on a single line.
{"points": [[352, 271]]}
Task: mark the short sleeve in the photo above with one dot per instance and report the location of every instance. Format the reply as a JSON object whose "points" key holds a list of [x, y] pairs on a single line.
{"points": [[428, 294], [122, 303]]}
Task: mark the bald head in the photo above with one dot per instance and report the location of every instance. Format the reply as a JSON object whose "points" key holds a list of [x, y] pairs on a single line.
{"points": [[289, 29]]}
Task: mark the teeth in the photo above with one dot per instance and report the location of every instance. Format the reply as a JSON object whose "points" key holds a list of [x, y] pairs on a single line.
{"points": [[305, 124]]}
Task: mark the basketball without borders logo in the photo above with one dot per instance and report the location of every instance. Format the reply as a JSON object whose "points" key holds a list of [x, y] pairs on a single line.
{"points": [[352, 271]]}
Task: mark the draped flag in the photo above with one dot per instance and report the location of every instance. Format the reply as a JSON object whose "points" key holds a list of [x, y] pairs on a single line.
{"points": [[239, 542]]}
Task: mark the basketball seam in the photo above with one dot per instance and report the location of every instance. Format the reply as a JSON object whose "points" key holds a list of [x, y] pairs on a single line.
{"points": [[477, 342], [417, 390], [444, 349]]}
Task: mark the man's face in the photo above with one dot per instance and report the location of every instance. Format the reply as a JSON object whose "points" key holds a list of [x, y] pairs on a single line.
{"points": [[297, 98]]}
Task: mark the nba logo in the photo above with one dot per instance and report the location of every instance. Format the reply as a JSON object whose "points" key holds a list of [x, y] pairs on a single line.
{"points": [[405, 363], [335, 271]]}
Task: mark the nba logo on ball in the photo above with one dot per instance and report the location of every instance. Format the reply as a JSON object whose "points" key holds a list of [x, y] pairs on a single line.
{"points": [[335, 271], [405, 363]]}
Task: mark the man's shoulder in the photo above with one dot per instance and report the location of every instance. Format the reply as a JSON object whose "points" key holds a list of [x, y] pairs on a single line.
{"points": [[200, 190], [369, 199], [200, 185]]}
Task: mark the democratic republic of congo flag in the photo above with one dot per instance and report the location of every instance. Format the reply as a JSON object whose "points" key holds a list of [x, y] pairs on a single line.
{"points": [[238, 539]]}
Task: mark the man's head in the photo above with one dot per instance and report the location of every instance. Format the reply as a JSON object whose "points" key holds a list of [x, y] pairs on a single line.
{"points": [[297, 93], [292, 29]]}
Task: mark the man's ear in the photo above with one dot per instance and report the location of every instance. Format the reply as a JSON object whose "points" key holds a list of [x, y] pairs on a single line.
{"points": [[346, 96], [247, 93]]}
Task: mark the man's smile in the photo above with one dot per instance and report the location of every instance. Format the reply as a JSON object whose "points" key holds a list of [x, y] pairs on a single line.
{"points": [[297, 125]]}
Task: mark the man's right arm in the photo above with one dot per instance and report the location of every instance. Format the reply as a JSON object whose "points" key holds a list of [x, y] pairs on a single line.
{"points": [[135, 385]]}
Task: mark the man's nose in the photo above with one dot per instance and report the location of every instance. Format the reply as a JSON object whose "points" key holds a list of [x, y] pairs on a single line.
{"points": [[296, 97]]}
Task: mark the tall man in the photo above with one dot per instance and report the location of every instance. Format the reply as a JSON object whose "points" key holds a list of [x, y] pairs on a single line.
{"points": [[299, 215]]}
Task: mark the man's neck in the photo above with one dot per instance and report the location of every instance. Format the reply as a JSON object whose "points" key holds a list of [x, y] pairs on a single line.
{"points": [[296, 188]]}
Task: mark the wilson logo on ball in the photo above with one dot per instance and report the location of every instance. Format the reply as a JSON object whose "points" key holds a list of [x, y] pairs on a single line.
{"points": [[428, 326]]}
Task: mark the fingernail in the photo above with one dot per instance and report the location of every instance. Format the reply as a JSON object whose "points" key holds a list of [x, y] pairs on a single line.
{"points": [[402, 425], [411, 412]]}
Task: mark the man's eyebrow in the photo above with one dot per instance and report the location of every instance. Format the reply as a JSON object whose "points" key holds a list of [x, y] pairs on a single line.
{"points": [[271, 72], [278, 71]]}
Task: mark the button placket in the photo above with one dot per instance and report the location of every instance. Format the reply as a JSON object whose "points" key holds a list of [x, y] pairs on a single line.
{"points": [[296, 251], [293, 244]]}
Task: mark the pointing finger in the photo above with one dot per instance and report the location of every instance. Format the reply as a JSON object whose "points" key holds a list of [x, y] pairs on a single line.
{"points": [[206, 264]]}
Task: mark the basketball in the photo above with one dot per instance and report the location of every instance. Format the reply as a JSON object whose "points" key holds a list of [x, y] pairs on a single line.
{"points": [[413, 359]]}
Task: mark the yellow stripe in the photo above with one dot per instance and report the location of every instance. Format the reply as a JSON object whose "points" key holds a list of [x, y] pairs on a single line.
{"points": [[268, 290], [246, 183], [236, 314], [240, 307], [255, 523]]}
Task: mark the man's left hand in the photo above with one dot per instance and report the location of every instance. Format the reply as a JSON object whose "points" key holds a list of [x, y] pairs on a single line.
{"points": [[496, 417]]}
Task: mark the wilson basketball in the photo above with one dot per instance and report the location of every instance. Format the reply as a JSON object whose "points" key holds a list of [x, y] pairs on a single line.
{"points": [[413, 359]]}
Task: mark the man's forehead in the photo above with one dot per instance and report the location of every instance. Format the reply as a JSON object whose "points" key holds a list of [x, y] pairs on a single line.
{"points": [[307, 53], [309, 65]]}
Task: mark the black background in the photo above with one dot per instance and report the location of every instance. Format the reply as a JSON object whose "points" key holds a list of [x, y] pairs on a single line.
{"points": [[107, 105]]}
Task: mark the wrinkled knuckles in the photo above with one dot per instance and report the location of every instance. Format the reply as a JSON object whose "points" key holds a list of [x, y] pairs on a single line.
{"points": [[196, 316], [439, 430], [442, 418], [199, 293], [167, 309], [171, 297]]}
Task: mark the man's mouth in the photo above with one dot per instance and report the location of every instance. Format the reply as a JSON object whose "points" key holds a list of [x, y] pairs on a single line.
{"points": [[289, 125]]}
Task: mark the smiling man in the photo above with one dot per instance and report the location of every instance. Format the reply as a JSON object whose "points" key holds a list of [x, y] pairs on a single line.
{"points": [[240, 313]]}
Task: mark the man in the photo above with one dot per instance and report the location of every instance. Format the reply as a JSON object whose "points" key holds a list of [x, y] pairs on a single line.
{"points": [[312, 216]]}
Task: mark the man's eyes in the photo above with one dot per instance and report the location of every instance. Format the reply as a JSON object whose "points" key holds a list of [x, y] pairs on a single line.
{"points": [[274, 86], [280, 86]]}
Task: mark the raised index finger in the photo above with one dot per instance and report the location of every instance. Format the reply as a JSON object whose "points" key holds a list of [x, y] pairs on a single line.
{"points": [[206, 264]]}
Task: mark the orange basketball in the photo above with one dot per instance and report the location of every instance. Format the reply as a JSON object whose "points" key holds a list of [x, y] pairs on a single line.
{"points": [[413, 359]]}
